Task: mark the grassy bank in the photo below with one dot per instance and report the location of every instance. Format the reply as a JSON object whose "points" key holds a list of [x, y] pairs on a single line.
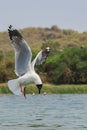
{"points": [[49, 88], [4, 89]]}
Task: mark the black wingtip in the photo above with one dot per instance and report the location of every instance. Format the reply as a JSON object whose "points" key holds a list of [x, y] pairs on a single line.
{"points": [[10, 26], [13, 32], [10, 32], [46, 52], [48, 49]]}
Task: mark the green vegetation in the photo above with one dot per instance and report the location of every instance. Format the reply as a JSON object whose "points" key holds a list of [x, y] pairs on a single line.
{"points": [[49, 89], [4, 89], [66, 64], [64, 89]]}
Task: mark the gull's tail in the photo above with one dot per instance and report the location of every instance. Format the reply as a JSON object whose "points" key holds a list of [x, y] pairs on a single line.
{"points": [[13, 85]]}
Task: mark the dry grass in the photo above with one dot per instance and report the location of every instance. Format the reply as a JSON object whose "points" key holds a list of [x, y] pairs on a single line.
{"points": [[35, 37]]}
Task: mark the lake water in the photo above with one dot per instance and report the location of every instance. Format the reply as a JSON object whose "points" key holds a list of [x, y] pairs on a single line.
{"points": [[43, 112]]}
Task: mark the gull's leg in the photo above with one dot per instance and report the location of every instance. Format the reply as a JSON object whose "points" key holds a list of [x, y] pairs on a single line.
{"points": [[25, 92], [20, 87]]}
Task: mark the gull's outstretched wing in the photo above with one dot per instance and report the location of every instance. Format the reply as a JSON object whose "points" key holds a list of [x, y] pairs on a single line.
{"points": [[41, 57], [23, 53]]}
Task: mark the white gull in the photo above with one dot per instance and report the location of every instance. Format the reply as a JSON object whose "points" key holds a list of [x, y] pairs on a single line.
{"points": [[24, 66]]}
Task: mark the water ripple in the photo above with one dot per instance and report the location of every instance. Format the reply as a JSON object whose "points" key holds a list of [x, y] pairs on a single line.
{"points": [[39, 112]]}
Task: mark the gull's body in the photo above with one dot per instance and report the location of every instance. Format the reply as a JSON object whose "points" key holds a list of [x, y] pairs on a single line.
{"points": [[24, 66]]}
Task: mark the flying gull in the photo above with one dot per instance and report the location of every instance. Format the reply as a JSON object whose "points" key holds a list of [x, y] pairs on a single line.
{"points": [[24, 66]]}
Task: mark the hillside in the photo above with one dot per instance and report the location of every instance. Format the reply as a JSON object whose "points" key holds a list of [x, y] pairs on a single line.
{"points": [[37, 36], [67, 62]]}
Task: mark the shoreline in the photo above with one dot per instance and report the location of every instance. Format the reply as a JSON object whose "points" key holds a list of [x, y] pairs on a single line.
{"points": [[50, 89]]}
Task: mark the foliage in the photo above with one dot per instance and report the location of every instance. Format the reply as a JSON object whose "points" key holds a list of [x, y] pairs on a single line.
{"points": [[68, 66], [67, 61], [7, 67]]}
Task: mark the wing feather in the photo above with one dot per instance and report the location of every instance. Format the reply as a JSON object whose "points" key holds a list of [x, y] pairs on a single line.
{"points": [[41, 57], [23, 53]]}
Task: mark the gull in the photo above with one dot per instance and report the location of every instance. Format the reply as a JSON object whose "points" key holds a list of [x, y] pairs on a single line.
{"points": [[24, 65]]}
